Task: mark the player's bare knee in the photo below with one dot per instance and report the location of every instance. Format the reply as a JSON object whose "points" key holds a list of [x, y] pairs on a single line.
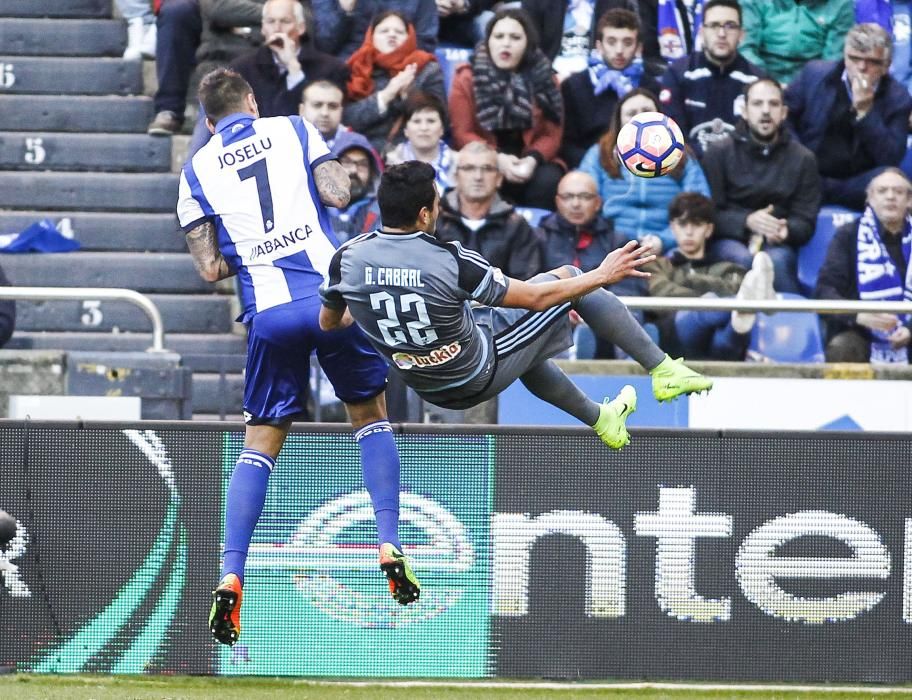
{"points": [[267, 439], [366, 412]]}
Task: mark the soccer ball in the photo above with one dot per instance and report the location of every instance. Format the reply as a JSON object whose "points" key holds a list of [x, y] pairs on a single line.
{"points": [[650, 144]]}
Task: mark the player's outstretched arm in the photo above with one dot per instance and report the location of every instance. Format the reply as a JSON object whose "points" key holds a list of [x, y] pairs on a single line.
{"points": [[617, 265], [332, 319], [332, 183], [207, 258]]}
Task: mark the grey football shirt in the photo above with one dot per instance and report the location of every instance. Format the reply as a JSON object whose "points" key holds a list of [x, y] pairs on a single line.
{"points": [[410, 294]]}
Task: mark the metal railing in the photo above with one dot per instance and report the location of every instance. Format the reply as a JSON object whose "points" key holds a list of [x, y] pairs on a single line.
{"points": [[91, 293], [822, 306]]}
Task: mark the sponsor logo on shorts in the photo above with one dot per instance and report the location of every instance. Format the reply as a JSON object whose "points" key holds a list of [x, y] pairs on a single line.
{"points": [[439, 356]]}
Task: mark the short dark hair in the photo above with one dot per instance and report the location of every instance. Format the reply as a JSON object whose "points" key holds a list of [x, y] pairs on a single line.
{"points": [[733, 4], [770, 81], [692, 207], [405, 189], [617, 18], [222, 92], [322, 83], [528, 26], [380, 16], [419, 101]]}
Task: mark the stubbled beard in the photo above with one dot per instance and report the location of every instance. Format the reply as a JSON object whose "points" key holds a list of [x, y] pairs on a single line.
{"points": [[358, 188]]}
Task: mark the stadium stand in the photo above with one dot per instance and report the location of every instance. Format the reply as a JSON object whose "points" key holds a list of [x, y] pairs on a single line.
{"points": [[786, 337], [812, 254], [73, 149]]}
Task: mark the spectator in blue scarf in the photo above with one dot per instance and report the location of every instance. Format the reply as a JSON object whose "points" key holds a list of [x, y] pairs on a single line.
{"points": [[614, 70]]}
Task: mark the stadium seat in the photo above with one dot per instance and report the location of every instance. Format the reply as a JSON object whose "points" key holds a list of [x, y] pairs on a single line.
{"points": [[62, 37], [163, 273], [106, 113], [88, 191], [70, 76], [106, 231], [812, 254], [449, 57], [56, 8], [33, 150], [533, 215], [786, 336]]}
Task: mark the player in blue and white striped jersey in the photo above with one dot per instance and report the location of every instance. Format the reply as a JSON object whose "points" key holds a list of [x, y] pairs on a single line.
{"points": [[411, 295], [253, 203]]}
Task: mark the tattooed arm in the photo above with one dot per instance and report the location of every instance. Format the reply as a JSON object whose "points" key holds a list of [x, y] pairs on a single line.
{"points": [[207, 258], [332, 183]]}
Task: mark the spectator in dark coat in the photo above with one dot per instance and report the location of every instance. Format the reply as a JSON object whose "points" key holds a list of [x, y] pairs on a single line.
{"points": [[461, 21], [342, 24], [7, 313], [660, 49], [869, 260], [287, 61], [704, 92], [475, 215], [852, 114], [577, 234], [591, 95], [363, 165], [765, 187]]}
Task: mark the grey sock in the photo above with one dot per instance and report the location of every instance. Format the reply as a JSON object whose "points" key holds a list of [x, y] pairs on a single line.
{"points": [[550, 384], [610, 320]]}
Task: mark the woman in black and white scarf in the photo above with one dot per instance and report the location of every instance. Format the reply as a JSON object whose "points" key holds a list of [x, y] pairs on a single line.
{"points": [[508, 97]]}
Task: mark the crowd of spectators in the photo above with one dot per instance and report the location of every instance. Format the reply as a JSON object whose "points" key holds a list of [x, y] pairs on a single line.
{"points": [[786, 105]]}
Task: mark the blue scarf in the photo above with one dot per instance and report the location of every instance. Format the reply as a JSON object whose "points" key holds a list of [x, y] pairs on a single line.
{"points": [[443, 166], [876, 11], [879, 280], [671, 29], [621, 81]]}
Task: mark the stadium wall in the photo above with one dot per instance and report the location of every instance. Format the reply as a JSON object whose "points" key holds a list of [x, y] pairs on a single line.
{"points": [[689, 555]]}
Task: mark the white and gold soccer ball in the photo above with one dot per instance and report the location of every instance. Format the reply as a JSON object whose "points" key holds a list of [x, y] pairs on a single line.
{"points": [[651, 144]]}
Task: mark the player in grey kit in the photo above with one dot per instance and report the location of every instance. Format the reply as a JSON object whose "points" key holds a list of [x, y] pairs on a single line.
{"points": [[410, 294]]}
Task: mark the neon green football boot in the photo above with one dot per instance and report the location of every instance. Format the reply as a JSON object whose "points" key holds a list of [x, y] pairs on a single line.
{"points": [[672, 378], [611, 426], [403, 584]]}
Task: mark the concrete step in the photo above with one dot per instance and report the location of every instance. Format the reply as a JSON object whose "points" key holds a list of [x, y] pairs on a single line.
{"points": [[62, 37], [196, 344], [108, 114], [167, 273], [199, 314], [212, 363], [89, 191], [215, 393], [55, 8], [101, 231], [70, 76], [87, 152]]}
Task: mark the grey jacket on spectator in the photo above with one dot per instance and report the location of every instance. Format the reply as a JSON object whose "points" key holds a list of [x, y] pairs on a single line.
{"points": [[364, 115], [745, 175], [505, 239], [341, 34]]}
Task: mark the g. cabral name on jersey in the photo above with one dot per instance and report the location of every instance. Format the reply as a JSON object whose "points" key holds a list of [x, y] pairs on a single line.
{"points": [[393, 276]]}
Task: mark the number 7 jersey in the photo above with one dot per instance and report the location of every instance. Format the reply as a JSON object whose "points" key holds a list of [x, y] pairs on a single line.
{"points": [[254, 182], [410, 295]]}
